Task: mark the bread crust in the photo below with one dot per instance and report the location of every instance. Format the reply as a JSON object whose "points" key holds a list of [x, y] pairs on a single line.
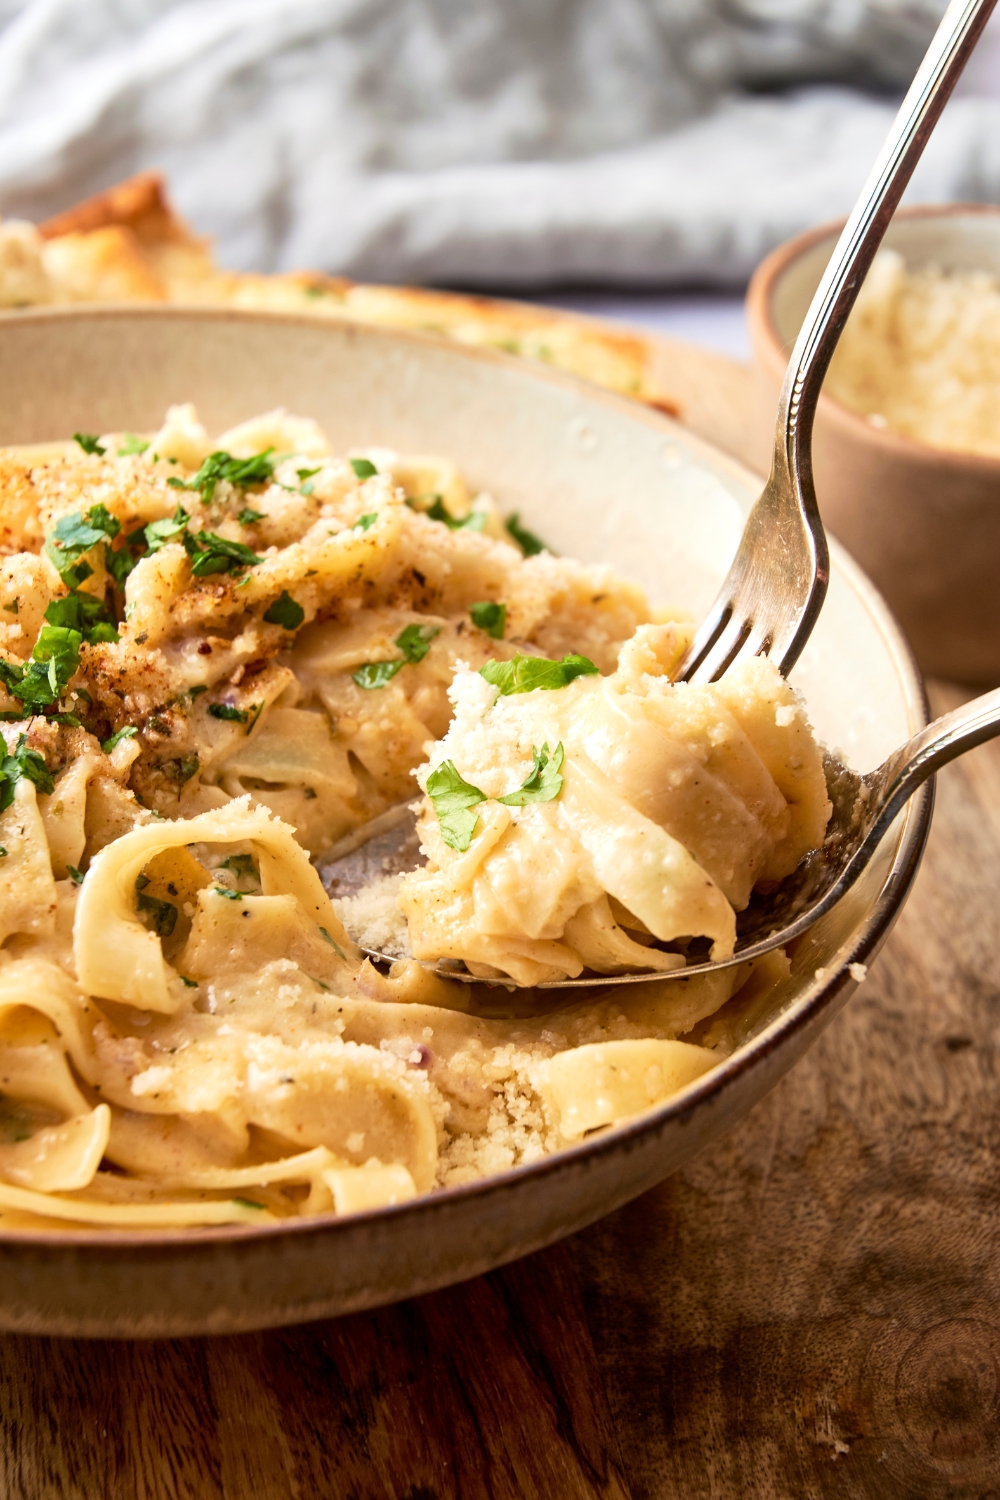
{"points": [[128, 243]]}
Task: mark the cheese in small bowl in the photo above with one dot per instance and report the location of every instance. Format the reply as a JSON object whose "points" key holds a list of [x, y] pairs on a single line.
{"points": [[920, 354]]}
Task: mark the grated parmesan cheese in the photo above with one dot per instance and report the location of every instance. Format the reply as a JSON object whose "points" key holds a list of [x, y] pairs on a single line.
{"points": [[373, 918], [921, 355]]}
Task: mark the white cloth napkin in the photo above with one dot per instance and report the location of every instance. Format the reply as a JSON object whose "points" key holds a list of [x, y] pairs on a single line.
{"points": [[482, 142]]}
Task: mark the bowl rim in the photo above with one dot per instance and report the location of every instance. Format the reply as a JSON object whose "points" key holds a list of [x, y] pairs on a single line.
{"points": [[818, 1002], [771, 351]]}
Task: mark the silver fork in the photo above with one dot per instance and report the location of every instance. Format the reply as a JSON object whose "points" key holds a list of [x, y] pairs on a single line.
{"points": [[774, 590]]}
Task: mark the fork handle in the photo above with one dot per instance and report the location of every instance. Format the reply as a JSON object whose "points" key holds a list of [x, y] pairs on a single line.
{"points": [[947, 738], [956, 36]]}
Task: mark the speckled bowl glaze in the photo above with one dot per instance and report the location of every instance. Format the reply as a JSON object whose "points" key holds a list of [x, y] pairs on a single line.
{"points": [[602, 479], [923, 522]]}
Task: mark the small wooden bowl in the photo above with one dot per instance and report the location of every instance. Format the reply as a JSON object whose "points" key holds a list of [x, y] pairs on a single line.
{"points": [[923, 522]]}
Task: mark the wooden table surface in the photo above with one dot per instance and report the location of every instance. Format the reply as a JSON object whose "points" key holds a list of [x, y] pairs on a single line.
{"points": [[810, 1309]]}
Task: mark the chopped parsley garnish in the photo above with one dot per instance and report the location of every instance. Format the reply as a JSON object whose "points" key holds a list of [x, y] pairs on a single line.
{"points": [[58, 648], [75, 534], [414, 642], [72, 574], [227, 711], [523, 674], [453, 799], [74, 874], [192, 984], [242, 865], [334, 944], [361, 524], [85, 614], [285, 612], [70, 719], [474, 521], [221, 890], [11, 609], [131, 444], [306, 477], [26, 763], [180, 770], [125, 733], [248, 517], [120, 561], [248, 1203], [222, 467], [544, 784], [377, 674], [363, 467], [162, 914], [170, 529], [44, 678], [490, 618], [529, 543], [88, 442], [210, 553], [3, 852]]}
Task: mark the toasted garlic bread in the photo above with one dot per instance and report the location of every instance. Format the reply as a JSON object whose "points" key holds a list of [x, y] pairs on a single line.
{"points": [[128, 244]]}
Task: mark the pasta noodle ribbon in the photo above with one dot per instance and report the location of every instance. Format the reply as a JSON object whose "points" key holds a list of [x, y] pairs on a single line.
{"points": [[179, 1215], [117, 958], [64, 815], [59, 1158], [334, 1183], [605, 1082], [344, 1096], [40, 986], [357, 1190], [306, 771], [641, 865], [27, 889]]}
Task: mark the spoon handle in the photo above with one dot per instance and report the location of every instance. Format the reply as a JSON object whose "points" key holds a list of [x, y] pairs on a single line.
{"points": [[956, 36], [944, 740]]}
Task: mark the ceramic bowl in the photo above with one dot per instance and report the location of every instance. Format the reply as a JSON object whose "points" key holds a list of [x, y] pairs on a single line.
{"points": [[602, 479], [923, 522]]}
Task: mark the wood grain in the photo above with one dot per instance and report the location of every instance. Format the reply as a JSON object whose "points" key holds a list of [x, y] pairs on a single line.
{"points": [[809, 1310], [491, 1390]]}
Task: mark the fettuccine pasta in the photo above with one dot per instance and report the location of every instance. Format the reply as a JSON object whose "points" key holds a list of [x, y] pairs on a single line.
{"points": [[217, 659]]}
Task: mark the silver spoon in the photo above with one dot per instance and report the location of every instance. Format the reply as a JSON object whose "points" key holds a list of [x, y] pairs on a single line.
{"points": [[775, 587], [864, 807]]}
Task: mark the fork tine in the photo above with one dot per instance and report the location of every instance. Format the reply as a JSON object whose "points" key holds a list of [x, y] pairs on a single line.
{"points": [[721, 653], [708, 635]]}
